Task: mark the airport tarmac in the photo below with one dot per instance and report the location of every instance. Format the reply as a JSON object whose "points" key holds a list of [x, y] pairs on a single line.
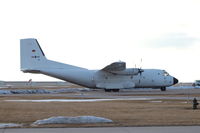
{"points": [[173, 129], [100, 95]]}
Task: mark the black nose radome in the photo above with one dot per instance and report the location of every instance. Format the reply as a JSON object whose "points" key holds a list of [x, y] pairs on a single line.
{"points": [[175, 80]]}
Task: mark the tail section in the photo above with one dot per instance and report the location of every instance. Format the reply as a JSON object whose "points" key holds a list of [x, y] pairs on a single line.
{"points": [[33, 59], [32, 56]]}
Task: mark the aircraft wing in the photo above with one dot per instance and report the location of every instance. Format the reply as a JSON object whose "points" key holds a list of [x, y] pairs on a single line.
{"points": [[116, 66]]}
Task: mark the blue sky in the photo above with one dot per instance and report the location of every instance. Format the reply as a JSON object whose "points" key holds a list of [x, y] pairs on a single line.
{"points": [[93, 34]]}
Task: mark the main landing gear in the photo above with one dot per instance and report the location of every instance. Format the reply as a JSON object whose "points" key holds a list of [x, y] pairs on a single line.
{"points": [[163, 88], [111, 90]]}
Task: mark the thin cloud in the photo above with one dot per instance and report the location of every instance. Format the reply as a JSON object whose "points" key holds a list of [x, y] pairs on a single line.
{"points": [[177, 40]]}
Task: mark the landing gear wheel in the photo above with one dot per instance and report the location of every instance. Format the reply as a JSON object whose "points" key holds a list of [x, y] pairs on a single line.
{"points": [[115, 90], [107, 90], [163, 88]]}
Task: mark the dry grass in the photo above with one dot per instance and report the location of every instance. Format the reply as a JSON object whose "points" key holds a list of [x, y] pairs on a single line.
{"points": [[123, 113]]}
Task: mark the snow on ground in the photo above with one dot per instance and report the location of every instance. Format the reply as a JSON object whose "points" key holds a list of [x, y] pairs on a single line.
{"points": [[183, 87], [5, 125], [155, 101], [67, 90], [72, 120], [5, 92], [70, 90], [78, 100], [43, 91], [34, 91], [171, 87]]}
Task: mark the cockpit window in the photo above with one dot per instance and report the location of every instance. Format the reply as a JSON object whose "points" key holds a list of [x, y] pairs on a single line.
{"points": [[165, 73]]}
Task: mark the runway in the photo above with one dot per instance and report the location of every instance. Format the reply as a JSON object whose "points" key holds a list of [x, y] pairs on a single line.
{"points": [[174, 129]]}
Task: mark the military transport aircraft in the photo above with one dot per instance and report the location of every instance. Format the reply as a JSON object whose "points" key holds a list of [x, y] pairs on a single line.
{"points": [[111, 78]]}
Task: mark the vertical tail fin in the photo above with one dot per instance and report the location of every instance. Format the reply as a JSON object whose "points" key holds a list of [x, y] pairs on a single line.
{"points": [[32, 56], [33, 59]]}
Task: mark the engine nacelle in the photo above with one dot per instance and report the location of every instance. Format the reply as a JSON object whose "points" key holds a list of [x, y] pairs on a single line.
{"points": [[129, 71]]}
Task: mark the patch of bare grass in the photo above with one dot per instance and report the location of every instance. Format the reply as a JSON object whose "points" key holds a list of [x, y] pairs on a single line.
{"points": [[123, 113]]}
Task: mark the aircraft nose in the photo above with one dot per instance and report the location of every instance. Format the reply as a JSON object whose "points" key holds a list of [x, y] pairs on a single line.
{"points": [[175, 80]]}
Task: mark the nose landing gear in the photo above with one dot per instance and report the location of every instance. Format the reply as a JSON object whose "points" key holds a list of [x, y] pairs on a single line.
{"points": [[109, 90]]}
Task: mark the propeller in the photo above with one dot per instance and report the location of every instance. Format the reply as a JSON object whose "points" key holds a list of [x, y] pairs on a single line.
{"points": [[140, 70]]}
